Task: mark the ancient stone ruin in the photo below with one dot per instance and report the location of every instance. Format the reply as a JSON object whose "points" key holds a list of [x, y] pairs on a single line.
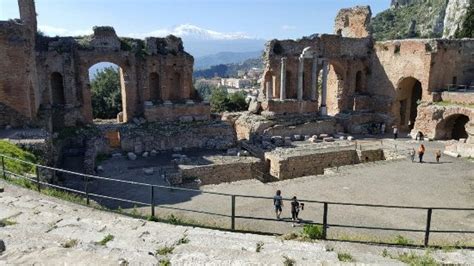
{"points": [[45, 80], [318, 89]]}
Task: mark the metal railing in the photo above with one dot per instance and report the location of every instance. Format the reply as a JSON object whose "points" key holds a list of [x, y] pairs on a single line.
{"points": [[459, 88], [35, 178]]}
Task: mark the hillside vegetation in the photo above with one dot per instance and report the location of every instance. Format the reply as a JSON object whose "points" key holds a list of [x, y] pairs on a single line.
{"points": [[418, 20]]}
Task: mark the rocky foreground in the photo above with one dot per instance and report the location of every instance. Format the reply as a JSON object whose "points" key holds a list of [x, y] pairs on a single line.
{"points": [[42, 230]]}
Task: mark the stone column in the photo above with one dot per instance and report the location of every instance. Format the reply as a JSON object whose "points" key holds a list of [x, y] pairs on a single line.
{"points": [[314, 79], [283, 79], [324, 110], [268, 85], [299, 92]]}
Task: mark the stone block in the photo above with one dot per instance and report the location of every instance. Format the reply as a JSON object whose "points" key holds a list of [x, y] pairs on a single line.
{"points": [[186, 119], [131, 156], [328, 139], [148, 171]]}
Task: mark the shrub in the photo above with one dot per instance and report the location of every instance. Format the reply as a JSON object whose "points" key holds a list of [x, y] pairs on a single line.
{"points": [[313, 231]]}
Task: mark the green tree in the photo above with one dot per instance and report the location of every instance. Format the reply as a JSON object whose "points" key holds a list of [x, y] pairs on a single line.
{"points": [[467, 29], [221, 101], [106, 93]]}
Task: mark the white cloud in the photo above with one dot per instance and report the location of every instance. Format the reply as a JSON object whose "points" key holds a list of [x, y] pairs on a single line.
{"points": [[288, 27], [193, 31], [57, 31], [188, 31]]}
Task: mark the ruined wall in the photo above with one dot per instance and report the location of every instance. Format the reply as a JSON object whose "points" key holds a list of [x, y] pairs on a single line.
{"points": [[452, 63], [347, 56], [353, 22], [161, 137], [45, 80], [458, 97], [432, 120], [225, 170], [18, 95], [309, 164]]}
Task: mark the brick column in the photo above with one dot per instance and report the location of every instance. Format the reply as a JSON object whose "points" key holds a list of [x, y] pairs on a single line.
{"points": [[324, 110], [283, 80], [300, 79], [314, 79]]}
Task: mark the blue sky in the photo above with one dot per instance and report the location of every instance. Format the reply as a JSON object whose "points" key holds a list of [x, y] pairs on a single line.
{"points": [[263, 19]]}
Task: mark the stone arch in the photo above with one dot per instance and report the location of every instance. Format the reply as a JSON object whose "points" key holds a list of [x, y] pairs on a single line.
{"points": [[268, 78], [155, 87], [176, 85], [118, 101], [453, 126], [409, 93], [359, 88], [57, 89], [289, 84]]}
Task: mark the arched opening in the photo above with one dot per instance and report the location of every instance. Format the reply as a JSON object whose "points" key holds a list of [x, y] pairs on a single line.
{"points": [[155, 88], [268, 85], [57, 89], [409, 94], [106, 80], [358, 82], [175, 89], [452, 127], [288, 82]]}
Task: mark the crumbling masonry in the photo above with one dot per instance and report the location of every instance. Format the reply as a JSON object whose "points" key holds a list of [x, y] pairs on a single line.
{"points": [[363, 83], [44, 81]]}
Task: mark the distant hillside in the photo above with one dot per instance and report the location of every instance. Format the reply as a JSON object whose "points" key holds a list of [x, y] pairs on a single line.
{"points": [[224, 58], [228, 70], [424, 19]]}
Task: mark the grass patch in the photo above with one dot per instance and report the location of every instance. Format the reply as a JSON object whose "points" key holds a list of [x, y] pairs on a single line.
{"points": [[11, 150], [164, 251], [259, 247], [106, 239], [401, 240], [101, 157], [7, 222], [288, 261], [183, 240], [165, 262], [70, 243], [414, 259], [312, 231], [345, 257]]}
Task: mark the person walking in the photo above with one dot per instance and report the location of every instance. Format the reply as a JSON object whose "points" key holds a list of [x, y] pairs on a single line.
{"points": [[278, 203], [438, 155], [421, 152], [412, 154], [295, 210], [395, 132]]}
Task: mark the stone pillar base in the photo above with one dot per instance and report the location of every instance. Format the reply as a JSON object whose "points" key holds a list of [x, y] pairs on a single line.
{"points": [[324, 110]]}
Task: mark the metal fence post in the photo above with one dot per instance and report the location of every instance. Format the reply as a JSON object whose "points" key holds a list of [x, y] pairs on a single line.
{"points": [[428, 225], [86, 189], [3, 168], [38, 178], [325, 220], [232, 224], [152, 201]]}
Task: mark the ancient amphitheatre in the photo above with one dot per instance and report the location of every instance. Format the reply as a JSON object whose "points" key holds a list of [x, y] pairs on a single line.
{"points": [[320, 128]]}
